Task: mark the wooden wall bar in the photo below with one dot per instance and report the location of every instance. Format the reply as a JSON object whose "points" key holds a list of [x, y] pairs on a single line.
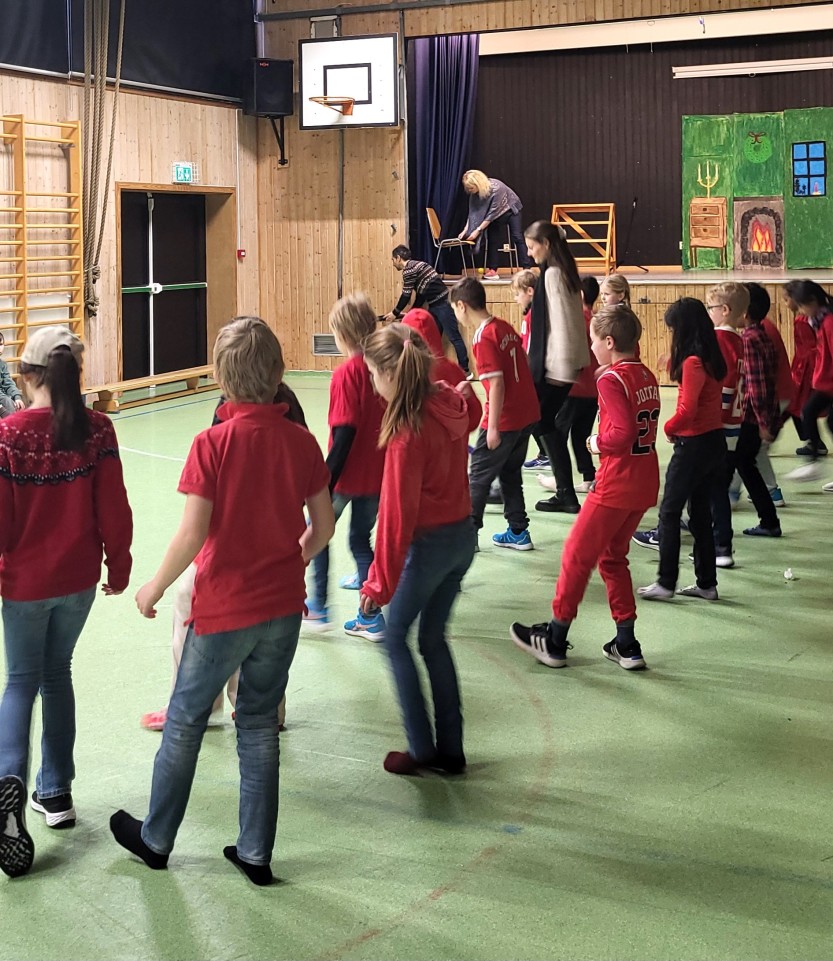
{"points": [[152, 132]]}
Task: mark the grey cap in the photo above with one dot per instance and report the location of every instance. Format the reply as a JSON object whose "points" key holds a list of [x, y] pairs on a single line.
{"points": [[43, 341]]}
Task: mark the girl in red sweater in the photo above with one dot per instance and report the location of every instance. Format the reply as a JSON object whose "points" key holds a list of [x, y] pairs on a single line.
{"points": [[62, 507], [817, 306], [424, 541], [801, 368], [698, 465]]}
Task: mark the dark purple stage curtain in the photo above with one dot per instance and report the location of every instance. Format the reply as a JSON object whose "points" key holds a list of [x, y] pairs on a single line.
{"points": [[444, 98]]}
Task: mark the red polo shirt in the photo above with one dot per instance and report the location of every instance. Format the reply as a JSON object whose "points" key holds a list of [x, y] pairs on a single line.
{"points": [[257, 468]]}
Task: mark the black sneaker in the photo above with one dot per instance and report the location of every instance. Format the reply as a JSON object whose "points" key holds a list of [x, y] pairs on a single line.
{"points": [[554, 504], [536, 641], [807, 451], [58, 811], [630, 659], [17, 851]]}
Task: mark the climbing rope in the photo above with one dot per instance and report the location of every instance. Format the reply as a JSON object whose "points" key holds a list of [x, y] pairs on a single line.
{"points": [[96, 34]]}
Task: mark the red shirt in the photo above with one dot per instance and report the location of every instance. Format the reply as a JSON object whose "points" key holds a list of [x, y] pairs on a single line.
{"points": [[699, 402], [526, 328], [732, 391], [60, 511], [784, 382], [804, 362], [425, 485], [353, 403], [585, 386], [498, 352], [257, 468], [628, 475], [823, 371]]}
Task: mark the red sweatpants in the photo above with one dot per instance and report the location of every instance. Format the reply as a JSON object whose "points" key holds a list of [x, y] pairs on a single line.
{"points": [[600, 536]]}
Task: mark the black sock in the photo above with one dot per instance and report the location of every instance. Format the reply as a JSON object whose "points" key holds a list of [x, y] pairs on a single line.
{"points": [[260, 874], [625, 636], [558, 633], [127, 831]]}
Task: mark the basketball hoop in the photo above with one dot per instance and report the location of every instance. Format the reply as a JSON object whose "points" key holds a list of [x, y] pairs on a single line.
{"points": [[344, 105]]}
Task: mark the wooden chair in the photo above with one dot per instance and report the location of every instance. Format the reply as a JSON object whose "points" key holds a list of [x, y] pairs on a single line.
{"points": [[449, 242]]}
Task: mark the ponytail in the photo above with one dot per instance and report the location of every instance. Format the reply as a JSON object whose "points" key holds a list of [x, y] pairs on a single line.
{"points": [[401, 352], [62, 377]]}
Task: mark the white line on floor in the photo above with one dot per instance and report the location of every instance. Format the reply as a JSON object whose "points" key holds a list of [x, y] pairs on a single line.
{"points": [[147, 453]]}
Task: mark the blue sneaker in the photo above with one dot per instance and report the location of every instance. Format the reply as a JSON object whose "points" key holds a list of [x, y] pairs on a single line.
{"points": [[316, 618], [370, 626], [537, 463], [518, 542], [648, 539], [350, 582]]}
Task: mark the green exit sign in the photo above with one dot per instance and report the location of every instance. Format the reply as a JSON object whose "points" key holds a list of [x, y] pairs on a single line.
{"points": [[183, 173]]}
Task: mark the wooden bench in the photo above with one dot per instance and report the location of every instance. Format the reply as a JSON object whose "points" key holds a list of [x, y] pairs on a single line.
{"points": [[108, 395]]}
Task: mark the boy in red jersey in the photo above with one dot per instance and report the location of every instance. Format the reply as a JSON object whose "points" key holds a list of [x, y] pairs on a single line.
{"points": [[248, 595], [512, 410], [627, 484]]}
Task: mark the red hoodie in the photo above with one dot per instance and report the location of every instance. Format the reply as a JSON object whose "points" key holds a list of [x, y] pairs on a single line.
{"points": [[444, 369], [823, 371], [425, 485]]}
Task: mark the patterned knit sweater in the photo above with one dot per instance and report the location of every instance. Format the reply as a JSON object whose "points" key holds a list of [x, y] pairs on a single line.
{"points": [[60, 511]]}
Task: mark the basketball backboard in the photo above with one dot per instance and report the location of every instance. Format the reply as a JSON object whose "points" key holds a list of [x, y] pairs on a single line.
{"points": [[363, 69]]}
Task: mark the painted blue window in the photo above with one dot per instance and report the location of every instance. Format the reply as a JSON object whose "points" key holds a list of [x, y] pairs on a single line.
{"points": [[809, 169]]}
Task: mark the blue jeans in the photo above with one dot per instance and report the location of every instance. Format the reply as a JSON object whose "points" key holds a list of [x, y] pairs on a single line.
{"points": [[40, 637], [363, 511], [443, 314], [428, 588], [264, 654]]}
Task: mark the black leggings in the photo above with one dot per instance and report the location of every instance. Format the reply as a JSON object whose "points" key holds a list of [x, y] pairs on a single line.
{"points": [[817, 404]]}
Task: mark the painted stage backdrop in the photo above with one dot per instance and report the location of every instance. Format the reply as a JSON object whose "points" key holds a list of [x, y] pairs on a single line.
{"points": [[756, 190]]}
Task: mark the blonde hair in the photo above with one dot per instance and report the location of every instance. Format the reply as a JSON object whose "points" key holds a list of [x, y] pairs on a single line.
{"points": [[400, 351], [619, 322], [523, 280], [352, 319], [733, 295], [248, 361], [479, 181], [619, 285]]}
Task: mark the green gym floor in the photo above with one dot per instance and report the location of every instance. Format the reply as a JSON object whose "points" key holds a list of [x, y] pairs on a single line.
{"points": [[677, 813]]}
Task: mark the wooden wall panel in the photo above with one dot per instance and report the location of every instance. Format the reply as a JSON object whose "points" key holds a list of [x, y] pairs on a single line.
{"points": [[152, 132], [298, 211]]}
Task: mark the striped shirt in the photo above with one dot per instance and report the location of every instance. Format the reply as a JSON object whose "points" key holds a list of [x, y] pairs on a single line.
{"points": [[422, 278]]}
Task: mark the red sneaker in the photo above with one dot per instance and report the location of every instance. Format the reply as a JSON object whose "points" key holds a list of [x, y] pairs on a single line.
{"points": [[155, 720]]}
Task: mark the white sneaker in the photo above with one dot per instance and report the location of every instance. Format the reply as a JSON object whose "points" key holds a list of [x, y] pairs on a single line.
{"points": [[724, 560], [807, 472], [547, 481], [828, 488], [655, 592], [584, 487], [707, 593]]}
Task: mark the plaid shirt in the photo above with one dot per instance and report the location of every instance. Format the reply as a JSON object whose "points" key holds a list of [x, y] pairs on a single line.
{"points": [[760, 370]]}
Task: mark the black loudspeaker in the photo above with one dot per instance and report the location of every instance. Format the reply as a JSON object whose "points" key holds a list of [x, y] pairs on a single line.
{"points": [[270, 89]]}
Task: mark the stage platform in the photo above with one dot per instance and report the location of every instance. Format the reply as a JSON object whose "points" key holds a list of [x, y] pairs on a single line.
{"points": [[654, 291]]}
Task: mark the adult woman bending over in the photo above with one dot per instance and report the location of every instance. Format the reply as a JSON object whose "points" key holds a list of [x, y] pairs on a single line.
{"points": [[493, 206]]}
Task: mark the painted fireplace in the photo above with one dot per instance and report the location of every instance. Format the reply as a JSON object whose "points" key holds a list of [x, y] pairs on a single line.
{"points": [[759, 233]]}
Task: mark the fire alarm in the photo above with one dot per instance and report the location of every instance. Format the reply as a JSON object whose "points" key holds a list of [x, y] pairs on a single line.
{"points": [[241, 254]]}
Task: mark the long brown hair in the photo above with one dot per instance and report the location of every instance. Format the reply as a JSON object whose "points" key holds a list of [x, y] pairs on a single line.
{"points": [[400, 351], [62, 376], [559, 255]]}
